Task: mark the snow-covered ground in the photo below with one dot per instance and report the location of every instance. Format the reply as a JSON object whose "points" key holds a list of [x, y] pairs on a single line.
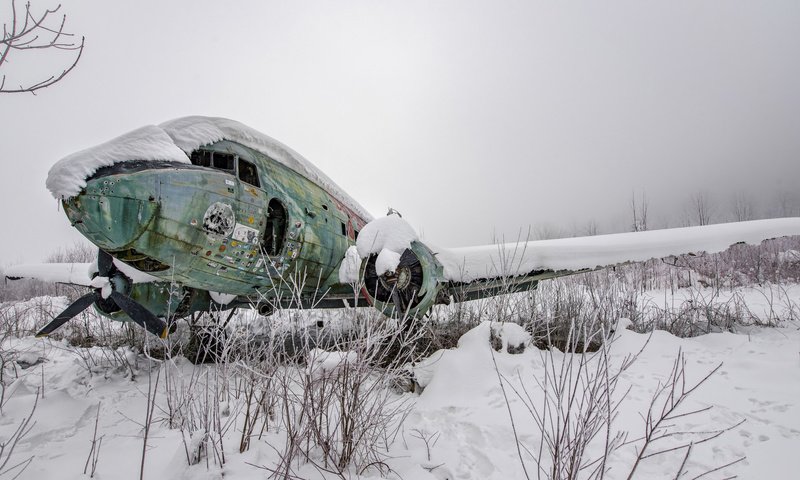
{"points": [[459, 426]]}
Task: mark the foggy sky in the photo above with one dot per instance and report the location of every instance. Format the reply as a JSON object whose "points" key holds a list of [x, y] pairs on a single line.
{"points": [[474, 119]]}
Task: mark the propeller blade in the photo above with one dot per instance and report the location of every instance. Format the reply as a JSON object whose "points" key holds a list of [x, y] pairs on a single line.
{"points": [[141, 315], [77, 307], [105, 263], [399, 304]]}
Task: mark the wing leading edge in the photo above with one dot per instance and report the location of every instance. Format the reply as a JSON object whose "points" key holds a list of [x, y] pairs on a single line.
{"points": [[517, 265], [72, 273]]}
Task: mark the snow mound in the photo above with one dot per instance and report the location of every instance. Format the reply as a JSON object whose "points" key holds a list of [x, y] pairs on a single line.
{"points": [[511, 336], [221, 298], [390, 232], [389, 237], [455, 377]]}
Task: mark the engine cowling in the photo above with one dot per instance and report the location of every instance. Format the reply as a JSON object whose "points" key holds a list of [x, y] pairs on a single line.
{"points": [[411, 290]]}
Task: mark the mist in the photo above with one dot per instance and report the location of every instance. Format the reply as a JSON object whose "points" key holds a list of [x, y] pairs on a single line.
{"points": [[476, 120]]}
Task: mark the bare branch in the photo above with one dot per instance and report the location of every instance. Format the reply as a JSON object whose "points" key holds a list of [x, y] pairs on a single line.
{"points": [[36, 33]]}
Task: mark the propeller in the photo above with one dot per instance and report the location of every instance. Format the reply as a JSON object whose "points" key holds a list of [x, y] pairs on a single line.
{"points": [[108, 285], [402, 287]]}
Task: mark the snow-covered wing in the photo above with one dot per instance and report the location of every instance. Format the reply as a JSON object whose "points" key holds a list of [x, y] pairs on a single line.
{"points": [[72, 273], [587, 253]]}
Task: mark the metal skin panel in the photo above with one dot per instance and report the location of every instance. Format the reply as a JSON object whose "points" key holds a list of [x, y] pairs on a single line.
{"points": [[207, 227]]}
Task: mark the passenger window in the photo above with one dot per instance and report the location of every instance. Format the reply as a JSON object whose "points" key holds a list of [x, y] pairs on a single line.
{"points": [[201, 158], [223, 161], [248, 173]]}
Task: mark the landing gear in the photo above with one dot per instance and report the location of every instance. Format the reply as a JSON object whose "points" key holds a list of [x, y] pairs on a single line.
{"points": [[207, 340]]}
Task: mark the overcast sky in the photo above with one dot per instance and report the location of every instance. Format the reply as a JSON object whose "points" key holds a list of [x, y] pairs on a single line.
{"points": [[473, 119]]}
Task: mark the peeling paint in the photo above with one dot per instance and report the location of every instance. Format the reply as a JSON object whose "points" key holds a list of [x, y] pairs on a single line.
{"points": [[219, 219]]}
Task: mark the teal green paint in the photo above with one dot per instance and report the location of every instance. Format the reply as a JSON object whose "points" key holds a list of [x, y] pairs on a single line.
{"points": [[160, 212]]}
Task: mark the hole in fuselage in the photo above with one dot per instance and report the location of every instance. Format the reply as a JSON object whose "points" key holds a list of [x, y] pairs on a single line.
{"points": [[140, 261], [275, 232]]}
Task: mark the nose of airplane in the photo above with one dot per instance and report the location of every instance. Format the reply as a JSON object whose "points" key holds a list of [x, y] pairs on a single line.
{"points": [[112, 212]]}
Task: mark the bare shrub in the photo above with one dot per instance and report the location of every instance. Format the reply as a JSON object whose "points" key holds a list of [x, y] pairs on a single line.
{"points": [[21, 318], [341, 411], [661, 427], [201, 420], [702, 294], [575, 406], [94, 452], [8, 368], [152, 391], [9, 442], [193, 403]]}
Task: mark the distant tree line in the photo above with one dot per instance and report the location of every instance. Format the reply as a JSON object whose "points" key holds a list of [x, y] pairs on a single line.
{"points": [[700, 208]]}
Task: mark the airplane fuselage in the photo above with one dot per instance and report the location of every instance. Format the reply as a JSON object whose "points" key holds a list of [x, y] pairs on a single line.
{"points": [[233, 221]]}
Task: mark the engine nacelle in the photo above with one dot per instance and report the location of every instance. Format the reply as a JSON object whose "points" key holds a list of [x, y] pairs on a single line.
{"points": [[411, 290]]}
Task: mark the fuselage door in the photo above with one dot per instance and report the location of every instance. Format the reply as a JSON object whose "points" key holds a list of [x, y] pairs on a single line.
{"points": [[251, 217]]}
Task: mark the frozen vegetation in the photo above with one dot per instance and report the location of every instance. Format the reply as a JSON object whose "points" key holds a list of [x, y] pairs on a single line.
{"points": [[662, 369]]}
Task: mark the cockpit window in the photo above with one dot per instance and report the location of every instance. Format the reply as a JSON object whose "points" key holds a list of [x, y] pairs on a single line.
{"points": [[223, 161], [248, 173], [219, 160], [201, 158]]}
